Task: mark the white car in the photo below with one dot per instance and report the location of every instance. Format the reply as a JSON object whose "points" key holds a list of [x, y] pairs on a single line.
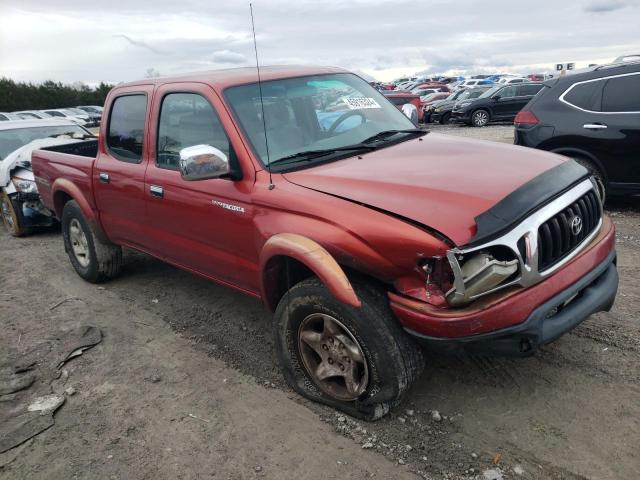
{"points": [[4, 116], [513, 80], [20, 204], [475, 82], [68, 114], [32, 115]]}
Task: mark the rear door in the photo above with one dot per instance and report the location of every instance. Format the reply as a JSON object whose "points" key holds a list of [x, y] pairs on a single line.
{"points": [[118, 174], [617, 129]]}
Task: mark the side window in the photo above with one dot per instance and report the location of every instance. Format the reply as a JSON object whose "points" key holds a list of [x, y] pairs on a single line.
{"points": [[508, 92], [587, 96], [622, 94], [528, 90], [55, 114], [125, 133], [187, 119]]}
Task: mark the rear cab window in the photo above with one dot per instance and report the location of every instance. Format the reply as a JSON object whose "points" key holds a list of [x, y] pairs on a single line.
{"points": [[125, 132]]}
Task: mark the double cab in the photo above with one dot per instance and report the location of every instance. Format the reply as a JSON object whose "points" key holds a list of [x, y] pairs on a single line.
{"points": [[367, 238]]}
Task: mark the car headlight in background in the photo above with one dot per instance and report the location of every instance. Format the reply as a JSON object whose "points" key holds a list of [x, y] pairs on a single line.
{"points": [[24, 186], [464, 104]]}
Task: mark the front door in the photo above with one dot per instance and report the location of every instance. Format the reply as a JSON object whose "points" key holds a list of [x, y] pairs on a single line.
{"points": [[508, 103], [204, 225], [120, 167]]}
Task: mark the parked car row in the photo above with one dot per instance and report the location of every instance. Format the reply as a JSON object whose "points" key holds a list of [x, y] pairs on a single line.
{"points": [[85, 115]]}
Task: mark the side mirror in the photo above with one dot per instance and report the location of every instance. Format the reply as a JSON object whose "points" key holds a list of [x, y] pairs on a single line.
{"points": [[495, 98], [201, 162]]}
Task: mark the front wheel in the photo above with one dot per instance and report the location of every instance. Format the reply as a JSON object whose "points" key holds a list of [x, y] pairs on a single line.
{"points": [[358, 360], [445, 118], [12, 216], [93, 259], [480, 118]]}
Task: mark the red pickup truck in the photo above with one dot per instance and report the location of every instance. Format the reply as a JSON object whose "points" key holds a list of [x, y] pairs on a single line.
{"points": [[366, 237]]}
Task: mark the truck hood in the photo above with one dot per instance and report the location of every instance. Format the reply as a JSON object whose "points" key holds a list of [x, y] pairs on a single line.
{"points": [[438, 181]]}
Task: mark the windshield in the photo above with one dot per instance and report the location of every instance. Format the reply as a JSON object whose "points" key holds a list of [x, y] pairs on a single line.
{"points": [[491, 91], [312, 113], [13, 139], [473, 93], [66, 111]]}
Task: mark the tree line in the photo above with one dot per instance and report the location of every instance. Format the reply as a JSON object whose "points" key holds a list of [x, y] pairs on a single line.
{"points": [[29, 96]]}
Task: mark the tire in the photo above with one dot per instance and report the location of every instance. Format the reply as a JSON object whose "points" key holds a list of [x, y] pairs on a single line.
{"points": [[12, 216], [480, 118], [94, 260], [444, 119], [598, 176], [387, 364]]}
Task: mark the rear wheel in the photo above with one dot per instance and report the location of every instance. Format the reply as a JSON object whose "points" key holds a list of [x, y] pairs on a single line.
{"points": [[12, 216], [93, 259], [480, 118], [358, 360], [597, 174]]}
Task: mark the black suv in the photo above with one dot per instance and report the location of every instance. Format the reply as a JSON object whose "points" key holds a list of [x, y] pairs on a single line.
{"points": [[594, 118], [441, 111], [499, 103]]}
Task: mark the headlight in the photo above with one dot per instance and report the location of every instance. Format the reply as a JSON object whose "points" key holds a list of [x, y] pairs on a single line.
{"points": [[24, 186], [479, 273], [437, 110]]}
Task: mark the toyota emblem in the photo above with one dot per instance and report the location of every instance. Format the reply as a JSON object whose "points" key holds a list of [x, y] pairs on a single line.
{"points": [[576, 225]]}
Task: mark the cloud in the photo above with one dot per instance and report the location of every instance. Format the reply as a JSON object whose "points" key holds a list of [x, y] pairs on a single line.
{"points": [[604, 6], [138, 43], [384, 38], [228, 56]]}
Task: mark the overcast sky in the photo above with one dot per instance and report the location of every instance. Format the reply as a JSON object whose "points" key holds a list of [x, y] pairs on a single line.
{"points": [[119, 40]]}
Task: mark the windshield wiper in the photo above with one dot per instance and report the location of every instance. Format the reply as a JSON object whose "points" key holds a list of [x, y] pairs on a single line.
{"points": [[387, 133], [311, 154]]}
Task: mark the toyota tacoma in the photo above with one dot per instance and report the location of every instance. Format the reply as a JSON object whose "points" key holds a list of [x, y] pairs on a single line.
{"points": [[367, 238]]}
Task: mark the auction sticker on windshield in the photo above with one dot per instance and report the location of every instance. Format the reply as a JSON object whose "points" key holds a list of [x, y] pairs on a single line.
{"points": [[357, 103]]}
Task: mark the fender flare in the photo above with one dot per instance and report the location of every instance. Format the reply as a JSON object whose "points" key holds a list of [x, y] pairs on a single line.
{"points": [[71, 189], [315, 257]]}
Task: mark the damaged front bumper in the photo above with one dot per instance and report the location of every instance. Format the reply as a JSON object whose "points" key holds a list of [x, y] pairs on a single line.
{"points": [[593, 293], [517, 320]]}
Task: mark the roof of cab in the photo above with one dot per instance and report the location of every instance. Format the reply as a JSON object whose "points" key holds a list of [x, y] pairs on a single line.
{"points": [[239, 76]]}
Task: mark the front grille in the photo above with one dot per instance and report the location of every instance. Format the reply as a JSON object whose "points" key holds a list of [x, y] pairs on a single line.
{"points": [[557, 237]]}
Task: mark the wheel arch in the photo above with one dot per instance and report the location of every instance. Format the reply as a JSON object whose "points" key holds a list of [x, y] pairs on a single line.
{"points": [[63, 191], [569, 151], [287, 258]]}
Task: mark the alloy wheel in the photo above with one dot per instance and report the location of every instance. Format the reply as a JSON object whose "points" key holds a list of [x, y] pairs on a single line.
{"points": [[332, 357], [79, 243], [481, 118]]}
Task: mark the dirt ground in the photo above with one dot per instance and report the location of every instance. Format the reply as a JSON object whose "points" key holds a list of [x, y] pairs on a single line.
{"points": [[184, 385]]}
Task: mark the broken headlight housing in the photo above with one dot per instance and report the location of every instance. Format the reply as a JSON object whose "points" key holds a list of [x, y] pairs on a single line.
{"points": [[480, 272], [24, 186]]}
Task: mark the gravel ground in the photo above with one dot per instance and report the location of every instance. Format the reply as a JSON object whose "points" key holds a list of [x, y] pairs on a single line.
{"points": [[185, 385]]}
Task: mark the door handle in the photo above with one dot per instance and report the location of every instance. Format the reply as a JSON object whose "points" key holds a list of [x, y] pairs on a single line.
{"points": [[104, 177], [156, 191], [594, 126]]}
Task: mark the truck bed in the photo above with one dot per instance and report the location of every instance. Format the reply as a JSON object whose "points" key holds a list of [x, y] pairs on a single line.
{"points": [[71, 164]]}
